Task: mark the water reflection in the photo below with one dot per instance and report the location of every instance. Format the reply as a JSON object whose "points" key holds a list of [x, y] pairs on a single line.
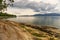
{"points": [[39, 20]]}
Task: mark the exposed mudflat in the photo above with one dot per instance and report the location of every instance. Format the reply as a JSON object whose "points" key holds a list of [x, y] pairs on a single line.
{"points": [[10, 30]]}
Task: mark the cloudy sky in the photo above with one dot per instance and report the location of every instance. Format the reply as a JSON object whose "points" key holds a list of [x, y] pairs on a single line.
{"points": [[31, 7]]}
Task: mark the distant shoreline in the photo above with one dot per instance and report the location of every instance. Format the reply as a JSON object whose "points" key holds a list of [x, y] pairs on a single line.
{"points": [[5, 15], [46, 14], [30, 16]]}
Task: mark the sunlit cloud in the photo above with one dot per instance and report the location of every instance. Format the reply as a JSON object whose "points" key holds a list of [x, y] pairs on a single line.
{"points": [[35, 6]]}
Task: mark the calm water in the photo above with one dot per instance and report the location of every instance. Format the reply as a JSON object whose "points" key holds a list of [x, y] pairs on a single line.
{"points": [[39, 20]]}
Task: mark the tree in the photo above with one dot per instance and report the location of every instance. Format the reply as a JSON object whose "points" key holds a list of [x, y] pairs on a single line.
{"points": [[4, 5]]}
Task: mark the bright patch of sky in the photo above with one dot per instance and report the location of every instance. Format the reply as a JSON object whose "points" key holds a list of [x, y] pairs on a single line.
{"points": [[29, 11], [51, 1], [17, 11]]}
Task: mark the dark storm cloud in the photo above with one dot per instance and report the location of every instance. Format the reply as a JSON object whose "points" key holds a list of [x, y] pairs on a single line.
{"points": [[37, 7]]}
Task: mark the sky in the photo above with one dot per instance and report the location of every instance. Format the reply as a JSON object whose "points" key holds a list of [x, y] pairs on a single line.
{"points": [[47, 1], [31, 7]]}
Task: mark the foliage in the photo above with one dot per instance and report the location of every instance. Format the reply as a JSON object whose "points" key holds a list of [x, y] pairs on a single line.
{"points": [[38, 35], [4, 5], [5, 14]]}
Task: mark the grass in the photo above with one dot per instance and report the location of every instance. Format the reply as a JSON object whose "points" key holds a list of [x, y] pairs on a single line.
{"points": [[52, 38], [33, 33], [22, 26], [37, 39], [38, 35], [28, 30]]}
